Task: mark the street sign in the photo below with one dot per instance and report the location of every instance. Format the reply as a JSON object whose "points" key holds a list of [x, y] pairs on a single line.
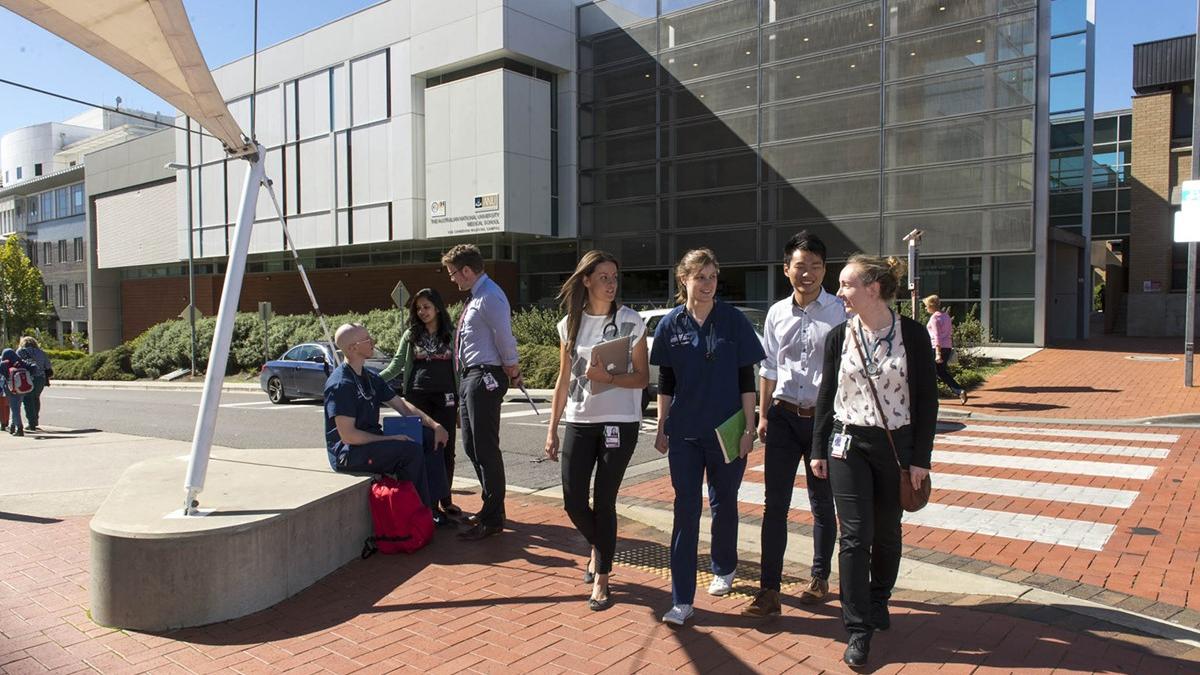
{"points": [[1189, 196], [400, 295], [264, 311], [1187, 226]]}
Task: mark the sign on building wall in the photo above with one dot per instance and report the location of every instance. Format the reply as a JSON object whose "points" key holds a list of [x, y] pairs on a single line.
{"points": [[483, 215], [1187, 220]]}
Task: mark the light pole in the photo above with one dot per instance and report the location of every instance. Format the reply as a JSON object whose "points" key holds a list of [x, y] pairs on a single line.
{"points": [[191, 271]]}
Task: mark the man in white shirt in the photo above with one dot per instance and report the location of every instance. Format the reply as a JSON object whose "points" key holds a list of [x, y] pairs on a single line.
{"points": [[794, 340]]}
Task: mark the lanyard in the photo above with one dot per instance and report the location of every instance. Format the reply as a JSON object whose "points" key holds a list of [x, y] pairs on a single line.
{"points": [[366, 394]]}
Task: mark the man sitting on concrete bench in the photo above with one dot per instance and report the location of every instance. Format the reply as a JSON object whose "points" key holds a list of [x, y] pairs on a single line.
{"points": [[354, 437]]}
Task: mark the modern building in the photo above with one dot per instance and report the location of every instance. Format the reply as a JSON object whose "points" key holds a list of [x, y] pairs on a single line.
{"points": [[1163, 73], [648, 127], [43, 200]]}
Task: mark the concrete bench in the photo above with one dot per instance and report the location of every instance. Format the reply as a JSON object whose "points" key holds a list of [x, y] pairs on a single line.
{"points": [[280, 520]]}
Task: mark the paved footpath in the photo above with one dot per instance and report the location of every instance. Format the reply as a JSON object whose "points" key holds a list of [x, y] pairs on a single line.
{"points": [[516, 604]]}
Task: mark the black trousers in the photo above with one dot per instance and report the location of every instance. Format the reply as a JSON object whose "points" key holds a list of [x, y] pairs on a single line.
{"points": [[403, 459], [866, 490], [943, 370], [480, 412], [789, 440], [434, 405], [584, 449]]}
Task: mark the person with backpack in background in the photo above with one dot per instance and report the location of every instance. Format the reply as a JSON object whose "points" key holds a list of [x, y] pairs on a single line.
{"points": [[17, 379], [30, 352]]}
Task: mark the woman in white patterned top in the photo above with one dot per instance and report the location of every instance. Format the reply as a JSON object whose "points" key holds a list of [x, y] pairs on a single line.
{"points": [[850, 442], [601, 408]]}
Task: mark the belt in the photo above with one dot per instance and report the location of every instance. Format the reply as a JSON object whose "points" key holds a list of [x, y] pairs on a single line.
{"points": [[483, 366], [794, 408]]}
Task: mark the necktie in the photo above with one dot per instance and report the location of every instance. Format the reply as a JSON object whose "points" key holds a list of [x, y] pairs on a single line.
{"points": [[458, 334]]}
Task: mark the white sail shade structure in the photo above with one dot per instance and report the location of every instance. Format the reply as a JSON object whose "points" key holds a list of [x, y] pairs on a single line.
{"points": [[149, 41]]}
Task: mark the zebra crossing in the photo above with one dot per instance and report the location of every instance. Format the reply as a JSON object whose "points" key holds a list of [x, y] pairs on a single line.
{"points": [[1043, 466]]}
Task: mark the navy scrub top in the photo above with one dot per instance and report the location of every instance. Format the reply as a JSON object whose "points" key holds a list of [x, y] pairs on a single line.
{"points": [[354, 396], [706, 360]]}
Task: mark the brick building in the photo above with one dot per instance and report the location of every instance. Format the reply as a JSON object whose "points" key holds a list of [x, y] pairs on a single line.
{"points": [[1162, 159]]}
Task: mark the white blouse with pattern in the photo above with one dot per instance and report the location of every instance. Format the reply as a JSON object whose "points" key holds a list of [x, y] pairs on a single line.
{"points": [[853, 403]]}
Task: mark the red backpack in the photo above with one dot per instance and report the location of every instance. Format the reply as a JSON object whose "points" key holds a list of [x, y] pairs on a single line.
{"points": [[402, 523], [19, 380]]}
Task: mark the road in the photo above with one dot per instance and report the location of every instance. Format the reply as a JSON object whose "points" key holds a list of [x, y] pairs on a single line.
{"points": [[248, 420]]}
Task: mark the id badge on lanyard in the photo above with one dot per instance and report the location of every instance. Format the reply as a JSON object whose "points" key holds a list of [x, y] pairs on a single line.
{"points": [[839, 446], [612, 436]]}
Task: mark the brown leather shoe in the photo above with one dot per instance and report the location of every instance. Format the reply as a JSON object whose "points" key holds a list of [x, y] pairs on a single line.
{"points": [[766, 603], [477, 532], [816, 591]]}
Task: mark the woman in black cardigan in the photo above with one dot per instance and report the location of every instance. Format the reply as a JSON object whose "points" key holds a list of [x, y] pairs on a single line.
{"points": [[850, 444]]}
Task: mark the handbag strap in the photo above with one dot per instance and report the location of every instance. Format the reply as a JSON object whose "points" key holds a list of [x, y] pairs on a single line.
{"points": [[874, 394]]}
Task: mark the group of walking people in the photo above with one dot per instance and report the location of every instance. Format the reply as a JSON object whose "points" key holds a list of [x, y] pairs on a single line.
{"points": [[24, 373], [852, 400]]}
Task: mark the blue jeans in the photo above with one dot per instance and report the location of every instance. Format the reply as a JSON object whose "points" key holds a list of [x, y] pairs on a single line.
{"points": [[14, 408], [690, 460]]}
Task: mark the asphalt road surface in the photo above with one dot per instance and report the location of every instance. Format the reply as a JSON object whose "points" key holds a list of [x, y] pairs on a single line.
{"points": [[249, 420]]}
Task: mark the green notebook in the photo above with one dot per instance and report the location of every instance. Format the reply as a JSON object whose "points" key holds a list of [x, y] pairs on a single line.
{"points": [[729, 435]]}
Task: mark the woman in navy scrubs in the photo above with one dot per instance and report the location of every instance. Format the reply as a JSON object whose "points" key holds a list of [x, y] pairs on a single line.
{"points": [[706, 351]]}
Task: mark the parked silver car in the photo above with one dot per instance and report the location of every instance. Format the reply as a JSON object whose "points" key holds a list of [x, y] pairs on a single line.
{"points": [[302, 370]]}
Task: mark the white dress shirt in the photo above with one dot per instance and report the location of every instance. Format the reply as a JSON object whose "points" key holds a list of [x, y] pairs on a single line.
{"points": [[794, 339]]}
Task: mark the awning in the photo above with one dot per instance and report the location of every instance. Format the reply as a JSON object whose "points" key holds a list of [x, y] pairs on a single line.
{"points": [[151, 42]]}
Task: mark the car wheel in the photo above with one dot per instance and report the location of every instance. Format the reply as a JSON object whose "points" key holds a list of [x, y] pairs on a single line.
{"points": [[275, 391]]}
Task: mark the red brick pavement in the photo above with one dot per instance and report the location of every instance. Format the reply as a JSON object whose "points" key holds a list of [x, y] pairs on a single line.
{"points": [[1095, 379], [1152, 553], [516, 604]]}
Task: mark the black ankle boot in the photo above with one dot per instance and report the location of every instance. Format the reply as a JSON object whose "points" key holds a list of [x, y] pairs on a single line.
{"points": [[857, 650]]}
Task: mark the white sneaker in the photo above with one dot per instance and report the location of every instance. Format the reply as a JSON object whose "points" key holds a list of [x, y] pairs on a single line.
{"points": [[678, 615], [721, 584]]}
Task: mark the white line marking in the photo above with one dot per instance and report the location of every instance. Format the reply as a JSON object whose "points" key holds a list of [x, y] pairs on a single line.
{"points": [[1053, 446], [517, 413], [1028, 489], [65, 398], [248, 404], [1070, 466], [1044, 529], [1074, 433]]}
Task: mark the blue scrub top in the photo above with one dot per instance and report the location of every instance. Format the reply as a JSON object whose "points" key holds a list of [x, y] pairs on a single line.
{"points": [[705, 360], [354, 396]]}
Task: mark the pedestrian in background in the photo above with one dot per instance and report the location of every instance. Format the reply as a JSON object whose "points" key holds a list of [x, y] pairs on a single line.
{"points": [[602, 408], [876, 409], [485, 355], [794, 340], [16, 378], [424, 362], [31, 353], [706, 351], [941, 330]]}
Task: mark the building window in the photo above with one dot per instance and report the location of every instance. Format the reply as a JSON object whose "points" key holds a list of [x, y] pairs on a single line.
{"points": [[34, 216], [18, 173], [63, 300], [47, 253], [77, 199], [78, 249], [47, 294], [1181, 115], [62, 250], [37, 169], [32, 251], [62, 200], [47, 205], [80, 296]]}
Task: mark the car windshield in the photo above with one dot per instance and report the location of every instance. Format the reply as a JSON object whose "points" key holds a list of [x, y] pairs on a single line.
{"points": [[758, 318]]}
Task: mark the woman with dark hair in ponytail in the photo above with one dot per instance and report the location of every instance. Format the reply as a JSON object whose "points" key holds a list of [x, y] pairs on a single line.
{"points": [[424, 362], [876, 410], [602, 408]]}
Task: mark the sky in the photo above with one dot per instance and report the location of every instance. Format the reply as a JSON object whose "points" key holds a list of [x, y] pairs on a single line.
{"points": [[223, 28]]}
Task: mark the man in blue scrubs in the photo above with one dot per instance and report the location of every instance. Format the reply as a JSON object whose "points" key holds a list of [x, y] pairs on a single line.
{"points": [[353, 435]]}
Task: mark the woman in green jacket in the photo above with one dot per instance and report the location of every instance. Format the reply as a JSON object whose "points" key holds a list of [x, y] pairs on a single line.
{"points": [[424, 362]]}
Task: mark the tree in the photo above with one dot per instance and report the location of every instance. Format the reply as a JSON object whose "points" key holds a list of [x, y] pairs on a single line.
{"points": [[21, 303]]}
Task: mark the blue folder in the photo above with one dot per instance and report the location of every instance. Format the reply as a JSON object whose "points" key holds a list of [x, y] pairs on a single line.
{"points": [[408, 426]]}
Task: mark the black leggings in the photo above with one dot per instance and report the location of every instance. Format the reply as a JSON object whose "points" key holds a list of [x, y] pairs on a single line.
{"points": [[583, 449], [434, 405], [943, 370]]}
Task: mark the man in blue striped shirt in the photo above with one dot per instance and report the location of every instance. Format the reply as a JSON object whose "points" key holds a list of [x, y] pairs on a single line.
{"points": [[485, 353]]}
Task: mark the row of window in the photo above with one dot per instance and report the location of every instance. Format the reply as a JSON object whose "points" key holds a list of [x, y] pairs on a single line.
{"points": [[37, 171], [47, 255], [64, 295], [58, 203]]}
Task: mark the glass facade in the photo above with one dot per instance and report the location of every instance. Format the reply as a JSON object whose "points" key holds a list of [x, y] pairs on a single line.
{"points": [[735, 123], [1112, 147]]}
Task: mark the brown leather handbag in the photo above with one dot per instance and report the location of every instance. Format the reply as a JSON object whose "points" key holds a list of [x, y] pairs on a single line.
{"points": [[911, 499]]}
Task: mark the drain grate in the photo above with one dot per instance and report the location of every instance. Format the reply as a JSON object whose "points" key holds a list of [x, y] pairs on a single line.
{"points": [[656, 559], [1153, 359]]}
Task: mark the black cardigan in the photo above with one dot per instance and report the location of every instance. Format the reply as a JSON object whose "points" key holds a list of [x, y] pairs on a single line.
{"points": [[922, 390]]}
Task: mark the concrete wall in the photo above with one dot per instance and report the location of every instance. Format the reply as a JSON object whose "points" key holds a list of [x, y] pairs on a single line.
{"points": [[36, 144]]}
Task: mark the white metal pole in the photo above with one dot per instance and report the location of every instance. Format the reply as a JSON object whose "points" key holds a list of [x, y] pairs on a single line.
{"points": [[218, 356], [312, 297], [1189, 320]]}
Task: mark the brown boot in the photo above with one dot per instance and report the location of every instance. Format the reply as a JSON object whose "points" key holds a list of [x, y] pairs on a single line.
{"points": [[766, 603], [816, 591]]}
